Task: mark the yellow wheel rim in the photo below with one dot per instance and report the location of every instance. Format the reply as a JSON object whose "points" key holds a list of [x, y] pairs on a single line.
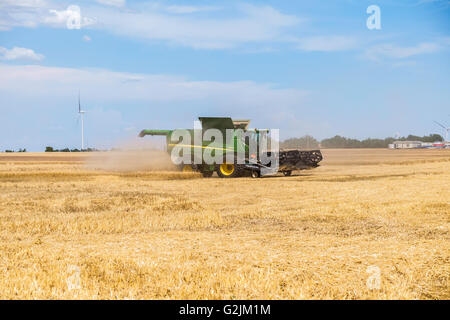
{"points": [[187, 168], [226, 169]]}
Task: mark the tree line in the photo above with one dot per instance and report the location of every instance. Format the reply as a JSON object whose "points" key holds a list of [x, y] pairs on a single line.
{"points": [[309, 142], [51, 149], [20, 150]]}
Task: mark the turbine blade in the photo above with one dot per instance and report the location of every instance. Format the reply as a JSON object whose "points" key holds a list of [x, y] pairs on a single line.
{"points": [[79, 104]]}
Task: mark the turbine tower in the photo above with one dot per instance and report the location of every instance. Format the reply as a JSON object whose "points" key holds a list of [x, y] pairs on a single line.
{"points": [[447, 129], [81, 112]]}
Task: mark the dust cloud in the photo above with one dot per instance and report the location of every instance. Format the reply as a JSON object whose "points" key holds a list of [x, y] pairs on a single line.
{"points": [[134, 154]]}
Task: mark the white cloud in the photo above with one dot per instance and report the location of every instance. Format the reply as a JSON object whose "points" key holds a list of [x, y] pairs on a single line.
{"points": [[155, 22], [378, 52], [254, 24], [32, 13], [70, 18], [21, 13], [110, 86], [145, 100], [327, 43], [190, 9], [445, 41], [23, 3], [18, 53], [86, 38], [114, 3], [404, 64]]}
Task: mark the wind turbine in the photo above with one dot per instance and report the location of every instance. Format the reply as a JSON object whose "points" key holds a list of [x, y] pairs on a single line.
{"points": [[81, 112], [445, 128]]}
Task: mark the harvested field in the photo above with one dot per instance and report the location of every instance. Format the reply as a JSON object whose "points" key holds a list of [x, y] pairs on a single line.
{"points": [[73, 229]]}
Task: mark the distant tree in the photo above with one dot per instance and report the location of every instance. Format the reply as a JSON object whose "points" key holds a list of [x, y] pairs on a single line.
{"points": [[430, 138], [22, 150], [374, 143], [9, 150], [340, 142], [51, 149], [305, 142]]}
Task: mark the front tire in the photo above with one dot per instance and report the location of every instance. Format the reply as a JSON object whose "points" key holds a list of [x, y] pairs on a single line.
{"points": [[256, 174], [229, 170]]}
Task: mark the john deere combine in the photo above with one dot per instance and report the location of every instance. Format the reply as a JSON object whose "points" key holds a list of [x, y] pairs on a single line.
{"points": [[229, 148]]}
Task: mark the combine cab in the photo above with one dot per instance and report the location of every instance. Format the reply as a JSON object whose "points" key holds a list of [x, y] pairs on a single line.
{"points": [[236, 143]]}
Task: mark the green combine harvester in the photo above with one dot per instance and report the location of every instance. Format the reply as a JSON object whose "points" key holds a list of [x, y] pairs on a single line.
{"points": [[238, 145]]}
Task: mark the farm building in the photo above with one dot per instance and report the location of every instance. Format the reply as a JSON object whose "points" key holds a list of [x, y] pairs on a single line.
{"points": [[406, 144], [418, 144]]}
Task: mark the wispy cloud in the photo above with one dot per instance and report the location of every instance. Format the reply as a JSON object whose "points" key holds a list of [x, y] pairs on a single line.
{"points": [[114, 3], [254, 24], [61, 17], [407, 63], [391, 51], [190, 9], [23, 3], [441, 4], [146, 98], [18, 53], [327, 43], [152, 21], [21, 13], [105, 85]]}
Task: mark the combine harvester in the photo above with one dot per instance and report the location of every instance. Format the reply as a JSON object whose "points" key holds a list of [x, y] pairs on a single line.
{"points": [[238, 147]]}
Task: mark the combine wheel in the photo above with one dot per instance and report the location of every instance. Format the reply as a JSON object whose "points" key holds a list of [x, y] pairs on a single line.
{"points": [[229, 170], [287, 173], [256, 174]]}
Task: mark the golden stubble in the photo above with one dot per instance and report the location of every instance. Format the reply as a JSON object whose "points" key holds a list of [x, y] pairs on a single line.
{"points": [[73, 230]]}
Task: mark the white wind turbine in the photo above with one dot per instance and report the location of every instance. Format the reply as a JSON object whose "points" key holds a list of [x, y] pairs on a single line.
{"points": [[447, 129], [81, 112]]}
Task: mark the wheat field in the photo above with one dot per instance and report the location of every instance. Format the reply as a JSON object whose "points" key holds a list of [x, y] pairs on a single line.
{"points": [[367, 224]]}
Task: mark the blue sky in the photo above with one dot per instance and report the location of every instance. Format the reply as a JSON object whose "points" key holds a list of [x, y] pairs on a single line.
{"points": [[305, 67]]}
